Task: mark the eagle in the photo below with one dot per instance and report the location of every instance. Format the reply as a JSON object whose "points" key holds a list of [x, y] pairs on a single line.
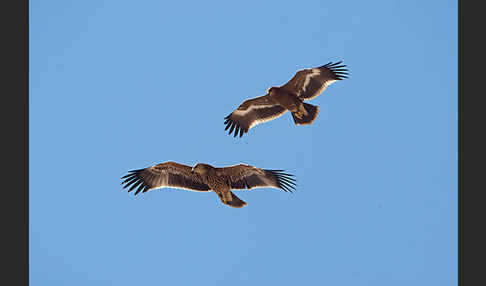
{"points": [[204, 178], [306, 84]]}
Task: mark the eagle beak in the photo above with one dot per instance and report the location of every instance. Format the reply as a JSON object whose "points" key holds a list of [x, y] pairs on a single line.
{"points": [[192, 170]]}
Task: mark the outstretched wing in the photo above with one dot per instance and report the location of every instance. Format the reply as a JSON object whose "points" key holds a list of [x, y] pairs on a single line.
{"points": [[248, 177], [169, 174], [309, 83], [252, 112]]}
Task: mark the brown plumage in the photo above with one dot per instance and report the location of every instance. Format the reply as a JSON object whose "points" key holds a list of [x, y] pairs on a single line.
{"points": [[204, 177], [306, 84]]}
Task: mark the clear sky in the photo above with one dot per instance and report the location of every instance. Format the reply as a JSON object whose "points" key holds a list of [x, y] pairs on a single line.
{"points": [[122, 85]]}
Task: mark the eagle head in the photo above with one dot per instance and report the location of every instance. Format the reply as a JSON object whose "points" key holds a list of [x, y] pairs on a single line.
{"points": [[200, 169], [270, 90]]}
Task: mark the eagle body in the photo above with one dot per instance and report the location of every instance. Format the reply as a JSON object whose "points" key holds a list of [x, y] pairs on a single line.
{"points": [[288, 100], [284, 98], [220, 183], [305, 85], [204, 178]]}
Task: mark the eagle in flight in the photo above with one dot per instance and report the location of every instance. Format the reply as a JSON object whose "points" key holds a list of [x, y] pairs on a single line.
{"points": [[203, 178], [306, 84]]}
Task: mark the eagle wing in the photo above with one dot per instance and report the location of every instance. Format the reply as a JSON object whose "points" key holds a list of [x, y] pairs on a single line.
{"points": [[252, 112], [248, 177], [168, 174], [309, 83]]}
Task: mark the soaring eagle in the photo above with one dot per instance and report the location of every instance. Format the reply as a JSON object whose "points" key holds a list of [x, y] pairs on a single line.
{"points": [[203, 178], [306, 84]]}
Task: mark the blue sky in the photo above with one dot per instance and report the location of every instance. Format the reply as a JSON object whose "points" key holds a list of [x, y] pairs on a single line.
{"points": [[122, 85]]}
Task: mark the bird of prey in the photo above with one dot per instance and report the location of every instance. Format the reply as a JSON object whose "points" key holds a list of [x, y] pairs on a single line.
{"points": [[203, 178], [306, 84]]}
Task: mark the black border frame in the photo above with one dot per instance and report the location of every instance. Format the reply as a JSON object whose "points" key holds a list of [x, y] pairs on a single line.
{"points": [[471, 144], [15, 119]]}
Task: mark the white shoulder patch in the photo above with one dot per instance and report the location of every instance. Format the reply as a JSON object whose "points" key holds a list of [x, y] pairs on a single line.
{"points": [[315, 72], [263, 120], [252, 107]]}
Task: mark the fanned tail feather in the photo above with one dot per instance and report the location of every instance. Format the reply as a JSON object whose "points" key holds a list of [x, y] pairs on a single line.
{"points": [[235, 201], [312, 112]]}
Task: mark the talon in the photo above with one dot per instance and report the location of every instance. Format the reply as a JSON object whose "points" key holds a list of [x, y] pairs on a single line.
{"points": [[303, 111]]}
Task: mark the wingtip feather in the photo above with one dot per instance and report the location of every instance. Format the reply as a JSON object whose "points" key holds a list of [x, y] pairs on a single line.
{"points": [[284, 180], [133, 180]]}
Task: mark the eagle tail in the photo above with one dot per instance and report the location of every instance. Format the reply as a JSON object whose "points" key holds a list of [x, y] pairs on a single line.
{"points": [[312, 112], [235, 202]]}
